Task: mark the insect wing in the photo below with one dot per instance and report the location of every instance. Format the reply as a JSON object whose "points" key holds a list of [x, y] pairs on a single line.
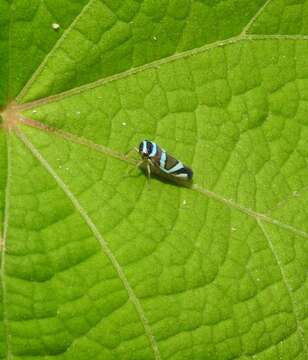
{"points": [[174, 167]]}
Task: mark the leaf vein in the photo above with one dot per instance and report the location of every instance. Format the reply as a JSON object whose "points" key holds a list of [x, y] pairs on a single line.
{"points": [[299, 327], [127, 73], [3, 251], [249, 212], [152, 65], [37, 72], [132, 296], [254, 18], [117, 155], [9, 54]]}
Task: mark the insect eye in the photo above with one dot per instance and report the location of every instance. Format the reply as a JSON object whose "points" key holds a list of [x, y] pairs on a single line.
{"points": [[141, 147], [149, 147]]}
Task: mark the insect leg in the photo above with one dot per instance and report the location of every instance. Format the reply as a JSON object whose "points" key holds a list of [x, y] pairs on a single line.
{"points": [[148, 171], [131, 169], [140, 163], [147, 167], [129, 152]]}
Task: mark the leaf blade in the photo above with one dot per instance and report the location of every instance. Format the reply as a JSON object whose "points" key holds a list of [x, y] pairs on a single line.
{"points": [[217, 270], [87, 54], [281, 17]]}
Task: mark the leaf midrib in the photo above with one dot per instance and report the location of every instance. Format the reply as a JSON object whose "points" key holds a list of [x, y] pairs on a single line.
{"points": [[109, 152], [122, 157]]}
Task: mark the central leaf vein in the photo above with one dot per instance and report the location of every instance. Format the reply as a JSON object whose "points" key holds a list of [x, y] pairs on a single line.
{"points": [[116, 155]]}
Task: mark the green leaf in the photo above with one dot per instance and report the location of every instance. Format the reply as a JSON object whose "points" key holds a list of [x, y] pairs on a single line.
{"points": [[110, 36], [4, 51], [27, 36], [3, 176], [283, 17], [96, 262]]}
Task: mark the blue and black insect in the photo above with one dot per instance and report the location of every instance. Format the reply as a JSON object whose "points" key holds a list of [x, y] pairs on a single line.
{"points": [[158, 158]]}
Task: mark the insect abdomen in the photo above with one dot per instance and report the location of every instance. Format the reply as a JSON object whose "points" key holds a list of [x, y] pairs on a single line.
{"points": [[184, 172]]}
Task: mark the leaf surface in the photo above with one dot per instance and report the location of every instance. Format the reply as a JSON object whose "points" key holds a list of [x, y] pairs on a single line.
{"points": [[109, 37], [286, 17], [99, 264], [27, 36]]}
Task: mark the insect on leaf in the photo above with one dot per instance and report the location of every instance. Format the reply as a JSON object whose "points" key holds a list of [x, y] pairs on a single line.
{"points": [[97, 264]]}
